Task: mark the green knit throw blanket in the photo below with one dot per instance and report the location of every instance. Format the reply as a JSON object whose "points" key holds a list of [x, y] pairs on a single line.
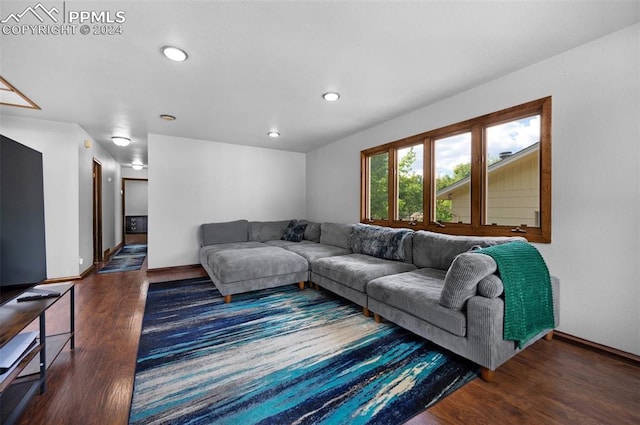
{"points": [[528, 298]]}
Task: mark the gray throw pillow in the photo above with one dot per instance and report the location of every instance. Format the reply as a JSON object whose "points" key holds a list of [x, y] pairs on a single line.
{"points": [[294, 231], [381, 242], [461, 280], [490, 286]]}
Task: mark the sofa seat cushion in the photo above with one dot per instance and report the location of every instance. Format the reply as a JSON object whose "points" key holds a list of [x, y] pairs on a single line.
{"points": [[283, 244], [252, 263], [208, 250], [313, 251], [418, 294], [356, 270]]}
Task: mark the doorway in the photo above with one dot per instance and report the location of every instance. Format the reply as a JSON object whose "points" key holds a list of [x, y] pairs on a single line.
{"points": [[97, 212], [134, 210]]}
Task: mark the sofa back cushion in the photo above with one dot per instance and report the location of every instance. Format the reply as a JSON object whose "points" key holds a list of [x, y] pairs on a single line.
{"points": [[312, 232], [225, 232], [262, 231], [382, 242], [336, 234], [437, 250]]}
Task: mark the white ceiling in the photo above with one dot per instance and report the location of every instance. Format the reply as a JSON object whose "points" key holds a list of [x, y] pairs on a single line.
{"points": [[257, 66]]}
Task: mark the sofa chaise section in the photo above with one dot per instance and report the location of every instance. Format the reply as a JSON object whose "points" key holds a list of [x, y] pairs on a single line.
{"points": [[238, 256], [242, 270]]}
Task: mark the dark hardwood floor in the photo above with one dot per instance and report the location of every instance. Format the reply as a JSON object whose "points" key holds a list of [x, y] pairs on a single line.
{"points": [[552, 382]]}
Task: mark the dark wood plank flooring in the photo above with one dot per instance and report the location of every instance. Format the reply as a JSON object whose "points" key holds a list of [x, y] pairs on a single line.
{"points": [[552, 382]]}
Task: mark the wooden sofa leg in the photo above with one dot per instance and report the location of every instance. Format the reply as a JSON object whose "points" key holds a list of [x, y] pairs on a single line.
{"points": [[487, 374], [301, 284], [549, 336], [227, 299], [377, 318], [366, 312]]}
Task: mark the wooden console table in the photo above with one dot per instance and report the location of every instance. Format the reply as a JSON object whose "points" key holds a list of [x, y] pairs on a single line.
{"points": [[17, 388]]}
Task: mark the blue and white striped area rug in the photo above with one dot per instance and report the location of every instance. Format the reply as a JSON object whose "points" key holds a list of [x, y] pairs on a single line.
{"points": [[280, 356], [129, 258]]}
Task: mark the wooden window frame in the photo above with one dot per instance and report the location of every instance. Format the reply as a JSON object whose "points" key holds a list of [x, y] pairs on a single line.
{"points": [[477, 126]]}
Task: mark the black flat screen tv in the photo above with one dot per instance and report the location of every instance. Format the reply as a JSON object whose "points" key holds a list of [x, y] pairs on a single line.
{"points": [[23, 258]]}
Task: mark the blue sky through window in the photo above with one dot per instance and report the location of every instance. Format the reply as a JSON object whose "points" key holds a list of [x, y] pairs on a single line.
{"points": [[512, 136]]}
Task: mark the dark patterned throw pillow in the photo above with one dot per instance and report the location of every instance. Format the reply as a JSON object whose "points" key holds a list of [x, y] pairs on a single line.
{"points": [[294, 231]]}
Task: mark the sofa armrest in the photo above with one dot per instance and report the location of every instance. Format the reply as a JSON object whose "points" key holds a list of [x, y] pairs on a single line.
{"points": [[485, 315], [485, 328], [555, 289]]}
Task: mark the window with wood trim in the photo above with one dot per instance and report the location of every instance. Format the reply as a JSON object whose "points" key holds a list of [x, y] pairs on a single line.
{"points": [[487, 176]]}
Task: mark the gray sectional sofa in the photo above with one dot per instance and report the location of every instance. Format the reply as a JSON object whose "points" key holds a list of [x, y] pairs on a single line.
{"points": [[429, 283]]}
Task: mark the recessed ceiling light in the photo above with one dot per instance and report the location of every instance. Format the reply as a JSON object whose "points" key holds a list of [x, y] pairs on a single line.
{"points": [[174, 53], [331, 96], [121, 141], [137, 166], [273, 134], [167, 117]]}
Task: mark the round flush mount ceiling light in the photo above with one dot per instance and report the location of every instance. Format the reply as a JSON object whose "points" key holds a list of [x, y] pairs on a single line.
{"points": [[137, 166], [121, 141], [168, 117], [174, 53], [273, 134], [331, 96]]}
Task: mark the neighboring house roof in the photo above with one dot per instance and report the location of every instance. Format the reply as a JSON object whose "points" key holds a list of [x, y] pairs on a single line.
{"points": [[518, 156]]}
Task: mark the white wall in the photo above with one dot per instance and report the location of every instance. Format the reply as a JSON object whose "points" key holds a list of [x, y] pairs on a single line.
{"points": [[195, 181], [596, 183], [136, 197], [56, 142], [67, 191], [134, 174], [111, 198]]}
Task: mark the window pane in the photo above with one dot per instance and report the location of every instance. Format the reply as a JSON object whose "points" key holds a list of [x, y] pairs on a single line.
{"points": [[378, 207], [410, 183], [453, 179], [513, 173]]}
